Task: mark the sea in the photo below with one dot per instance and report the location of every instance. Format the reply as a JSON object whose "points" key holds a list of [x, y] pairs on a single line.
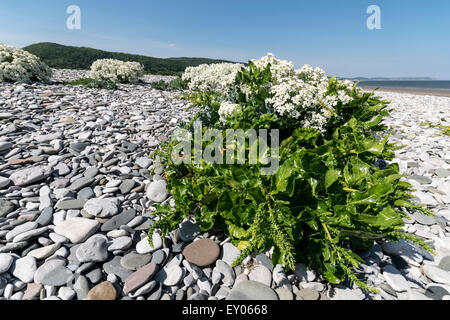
{"points": [[407, 84]]}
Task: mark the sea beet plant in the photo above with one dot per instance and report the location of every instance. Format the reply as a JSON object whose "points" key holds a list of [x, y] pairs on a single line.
{"points": [[334, 192]]}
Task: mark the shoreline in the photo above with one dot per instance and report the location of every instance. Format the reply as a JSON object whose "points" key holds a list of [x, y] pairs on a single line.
{"points": [[424, 92]]}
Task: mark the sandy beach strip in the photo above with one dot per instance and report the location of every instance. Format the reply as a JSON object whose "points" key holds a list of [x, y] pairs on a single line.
{"points": [[424, 92]]}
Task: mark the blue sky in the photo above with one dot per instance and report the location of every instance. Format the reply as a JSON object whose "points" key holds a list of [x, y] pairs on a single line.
{"points": [[414, 39]]}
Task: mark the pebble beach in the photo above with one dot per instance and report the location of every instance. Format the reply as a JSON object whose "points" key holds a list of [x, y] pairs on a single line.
{"points": [[77, 195]]}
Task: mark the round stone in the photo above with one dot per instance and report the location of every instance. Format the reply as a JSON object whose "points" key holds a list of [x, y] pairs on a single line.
{"points": [[444, 264], [103, 291], [157, 191], [6, 261], [202, 252], [252, 290], [307, 294], [134, 261], [395, 279], [53, 273], [261, 274], [170, 275], [140, 277], [101, 208], [120, 243], [24, 269], [93, 250]]}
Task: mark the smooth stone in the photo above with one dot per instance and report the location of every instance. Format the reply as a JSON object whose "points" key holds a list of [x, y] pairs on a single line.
{"points": [[53, 273], [395, 279], [134, 261], [436, 274], [30, 175], [228, 273], [5, 146], [27, 226], [146, 288], [24, 269], [264, 260], [341, 292], [4, 182], [81, 287], [44, 252], [252, 290], [140, 277], [444, 263], [77, 229], [93, 250], [5, 207], [114, 266], [6, 261], [103, 291], [29, 234], [143, 246], [284, 294], [71, 205], [189, 230], [442, 173], [11, 247], [307, 294], [120, 243], [66, 293], [32, 292], [170, 275], [102, 208], [126, 186], [119, 220], [202, 252], [143, 162], [424, 219], [45, 217], [90, 172], [436, 292], [421, 179], [158, 257], [261, 274], [94, 275], [157, 191], [81, 183]]}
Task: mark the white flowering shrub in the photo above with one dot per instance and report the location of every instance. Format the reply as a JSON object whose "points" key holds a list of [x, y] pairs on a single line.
{"points": [[117, 71], [211, 77], [19, 65]]}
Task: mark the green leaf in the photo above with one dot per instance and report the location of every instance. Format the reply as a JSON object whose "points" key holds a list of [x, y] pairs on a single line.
{"points": [[331, 177]]}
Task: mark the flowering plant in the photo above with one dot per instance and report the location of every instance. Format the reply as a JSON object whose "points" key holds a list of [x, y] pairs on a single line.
{"points": [[333, 194], [211, 77], [19, 65], [116, 71]]}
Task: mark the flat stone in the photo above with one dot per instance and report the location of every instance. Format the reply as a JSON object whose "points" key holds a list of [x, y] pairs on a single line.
{"points": [[119, 220], [424, 219], [93, 250], [144, 246], [27, 226], [436, 292], [66, 293], [189, 230], [133, 261], [261, 274], [120, 243], [81, 287], [81, 183], [225, 269], [6, 261], [5, 207], [157, 191], [30, 175], [444, 264], [140, 277], [101, 208], [341, 292], [71, 204], [30, 234], [442, 173], [436, 274], [32, 292], [113, 266], [170, 275], [421, 179], [77, 229], [45, 217], [264, 260], [5, 146], [94, 275], [144, 162], [53, 273], [4, 182], [90, 172], [103, 291], [307, 294], [24, 269], [284, 294], [395, 279], [159, 256], [202, 252], [126, 186], [11, 247], [252, 290], [44, 252]]}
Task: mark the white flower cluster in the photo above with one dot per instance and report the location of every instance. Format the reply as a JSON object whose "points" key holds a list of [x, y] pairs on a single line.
{"points": [[117, 71], [216, 77], [19, 65], [303, 93], [226, 109]]}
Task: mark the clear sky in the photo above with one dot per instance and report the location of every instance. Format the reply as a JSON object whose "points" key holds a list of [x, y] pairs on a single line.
{"points": [[414, 39]]}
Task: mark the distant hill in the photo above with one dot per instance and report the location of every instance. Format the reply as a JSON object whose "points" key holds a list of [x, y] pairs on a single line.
{"points": [[67, 57]]}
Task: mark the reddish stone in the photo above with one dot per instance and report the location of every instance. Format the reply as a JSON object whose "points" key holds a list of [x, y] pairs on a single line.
{"points": [[103, 291], [202, 252], [19, 161], [140, 277]]}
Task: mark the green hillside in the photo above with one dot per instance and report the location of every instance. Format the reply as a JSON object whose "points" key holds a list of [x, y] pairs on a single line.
{"points": [[67, 57]]}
